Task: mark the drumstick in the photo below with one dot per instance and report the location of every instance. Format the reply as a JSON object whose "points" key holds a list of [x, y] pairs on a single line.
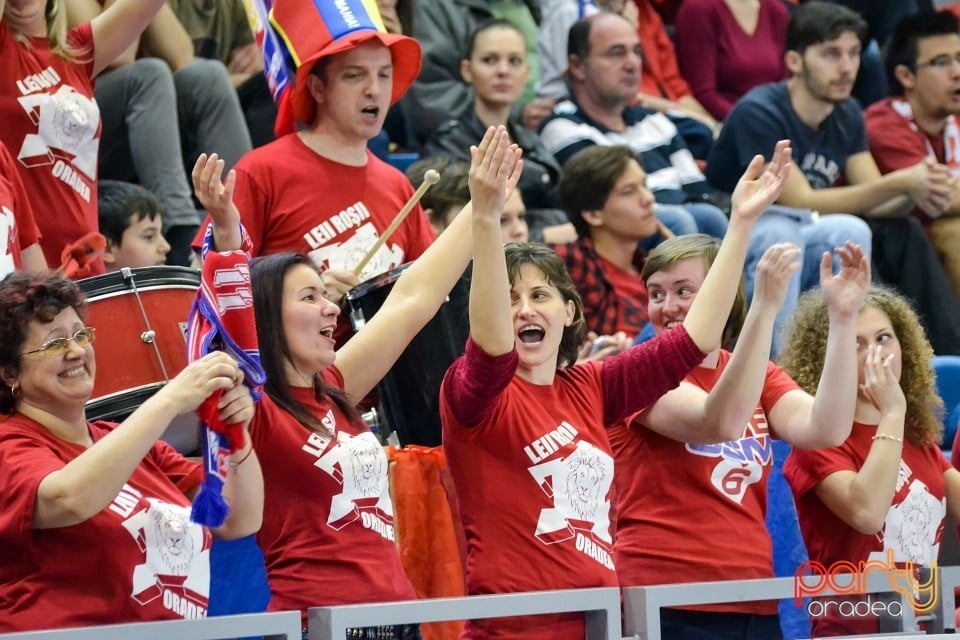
{"points": [[431, 177]]}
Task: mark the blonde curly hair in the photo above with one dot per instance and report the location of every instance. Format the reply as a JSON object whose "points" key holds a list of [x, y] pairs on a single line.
{"points": [[805, 346]]}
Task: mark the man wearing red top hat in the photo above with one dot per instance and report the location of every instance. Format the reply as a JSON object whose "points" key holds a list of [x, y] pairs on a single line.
{"points": [[319, 191]]}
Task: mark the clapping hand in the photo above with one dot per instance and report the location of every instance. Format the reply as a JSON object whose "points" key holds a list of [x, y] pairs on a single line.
{"points": [[845, 292], [758, 188]]}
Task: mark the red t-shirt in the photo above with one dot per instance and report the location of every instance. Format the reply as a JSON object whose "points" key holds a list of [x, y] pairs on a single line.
{"points": [[328, 535], [913, 527], [896, 142], [533, 471], [293, 199], [658, 479], [139, 559], [51, 125], [17, 227], [633, 295]]}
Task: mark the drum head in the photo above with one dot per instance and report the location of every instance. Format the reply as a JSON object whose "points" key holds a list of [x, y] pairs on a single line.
{"points": [[144, 277]]}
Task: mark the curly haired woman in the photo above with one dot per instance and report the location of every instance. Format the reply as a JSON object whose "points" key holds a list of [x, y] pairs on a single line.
{"points": [[883, 494]]}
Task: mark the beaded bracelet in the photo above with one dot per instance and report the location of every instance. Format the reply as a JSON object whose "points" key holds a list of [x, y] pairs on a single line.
{"points": [[881, 436], [233, 464]]}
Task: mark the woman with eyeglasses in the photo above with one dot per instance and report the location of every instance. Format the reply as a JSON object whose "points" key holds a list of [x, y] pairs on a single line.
{"points": [[95, 517]]}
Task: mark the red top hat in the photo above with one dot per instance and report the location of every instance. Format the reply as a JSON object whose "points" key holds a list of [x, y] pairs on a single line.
{"points": [[314, 29]]}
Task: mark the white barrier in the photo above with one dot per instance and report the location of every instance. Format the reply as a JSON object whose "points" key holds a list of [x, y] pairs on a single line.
{"points": [[601, 607], [283, 625], [641, 605]]}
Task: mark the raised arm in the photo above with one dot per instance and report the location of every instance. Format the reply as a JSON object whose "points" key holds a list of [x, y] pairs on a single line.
{"points": [[86, 485], [690, 414], [825, 419], [862, 498], [756, 190], [420, 291], [118, 27]]}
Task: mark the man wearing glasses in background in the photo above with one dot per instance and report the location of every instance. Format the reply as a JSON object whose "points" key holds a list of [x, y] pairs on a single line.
{"points": [[919, 121], [604, 66]]}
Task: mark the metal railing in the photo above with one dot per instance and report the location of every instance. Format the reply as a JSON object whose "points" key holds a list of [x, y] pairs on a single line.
{"points": [[601, 607], [641, 605], [283, 625]]}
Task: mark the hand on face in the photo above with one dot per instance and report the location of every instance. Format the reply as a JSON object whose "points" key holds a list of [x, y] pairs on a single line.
{"points": [[774, 271], [880, 385], [759, 187], [215, 195], [199, 379], [845, 292], [495, 168]]}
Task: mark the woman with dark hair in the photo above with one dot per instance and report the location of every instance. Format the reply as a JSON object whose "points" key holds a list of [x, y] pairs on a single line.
{"points": [[882, 495], [708, 442], [328, 536], [95, 517], [520, 420], [496, 68]]}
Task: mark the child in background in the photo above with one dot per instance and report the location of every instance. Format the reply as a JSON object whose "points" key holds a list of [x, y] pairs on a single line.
{"points": [[131, 220]]}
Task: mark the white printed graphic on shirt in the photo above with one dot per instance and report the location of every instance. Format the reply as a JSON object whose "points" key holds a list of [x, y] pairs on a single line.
{"points": [[8, 241], [911, 528], [348, 253], [176, 563], [741, 462], [359, 464], [577, 476], [66, 138]]}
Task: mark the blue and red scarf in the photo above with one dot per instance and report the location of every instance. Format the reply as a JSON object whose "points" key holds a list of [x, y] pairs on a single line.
{"points": [[222, 319]]}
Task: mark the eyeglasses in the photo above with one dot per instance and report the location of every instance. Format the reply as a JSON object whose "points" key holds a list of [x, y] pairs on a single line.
{"points": [[58, 346], [942, 61]]}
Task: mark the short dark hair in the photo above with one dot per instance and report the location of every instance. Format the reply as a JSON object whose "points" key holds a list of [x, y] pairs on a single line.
{"points": [[452, 190], [267, 275], [578, 38], [903, 46], [117, 201], [553, 268], [816, 21], [587, 179], [25, 297]]}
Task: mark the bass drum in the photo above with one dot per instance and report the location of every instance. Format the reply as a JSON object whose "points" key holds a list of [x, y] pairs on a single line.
{"points": [[141, 320], [410, 392]]}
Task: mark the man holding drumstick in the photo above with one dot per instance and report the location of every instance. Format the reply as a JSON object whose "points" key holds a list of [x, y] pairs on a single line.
{"points": [[320, 191]]}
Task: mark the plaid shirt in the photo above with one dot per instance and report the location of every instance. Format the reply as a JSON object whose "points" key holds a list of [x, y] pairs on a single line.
{"points": [[605, 311]]}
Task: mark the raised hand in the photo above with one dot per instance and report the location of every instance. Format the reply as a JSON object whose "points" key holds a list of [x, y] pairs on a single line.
{"points": [[216, 197], [845, 292], [774, 271], [881, 385], [495, 167], [758, 188]]}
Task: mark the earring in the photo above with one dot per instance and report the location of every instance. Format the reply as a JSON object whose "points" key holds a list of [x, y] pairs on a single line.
{"points": [[15, 390]]}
